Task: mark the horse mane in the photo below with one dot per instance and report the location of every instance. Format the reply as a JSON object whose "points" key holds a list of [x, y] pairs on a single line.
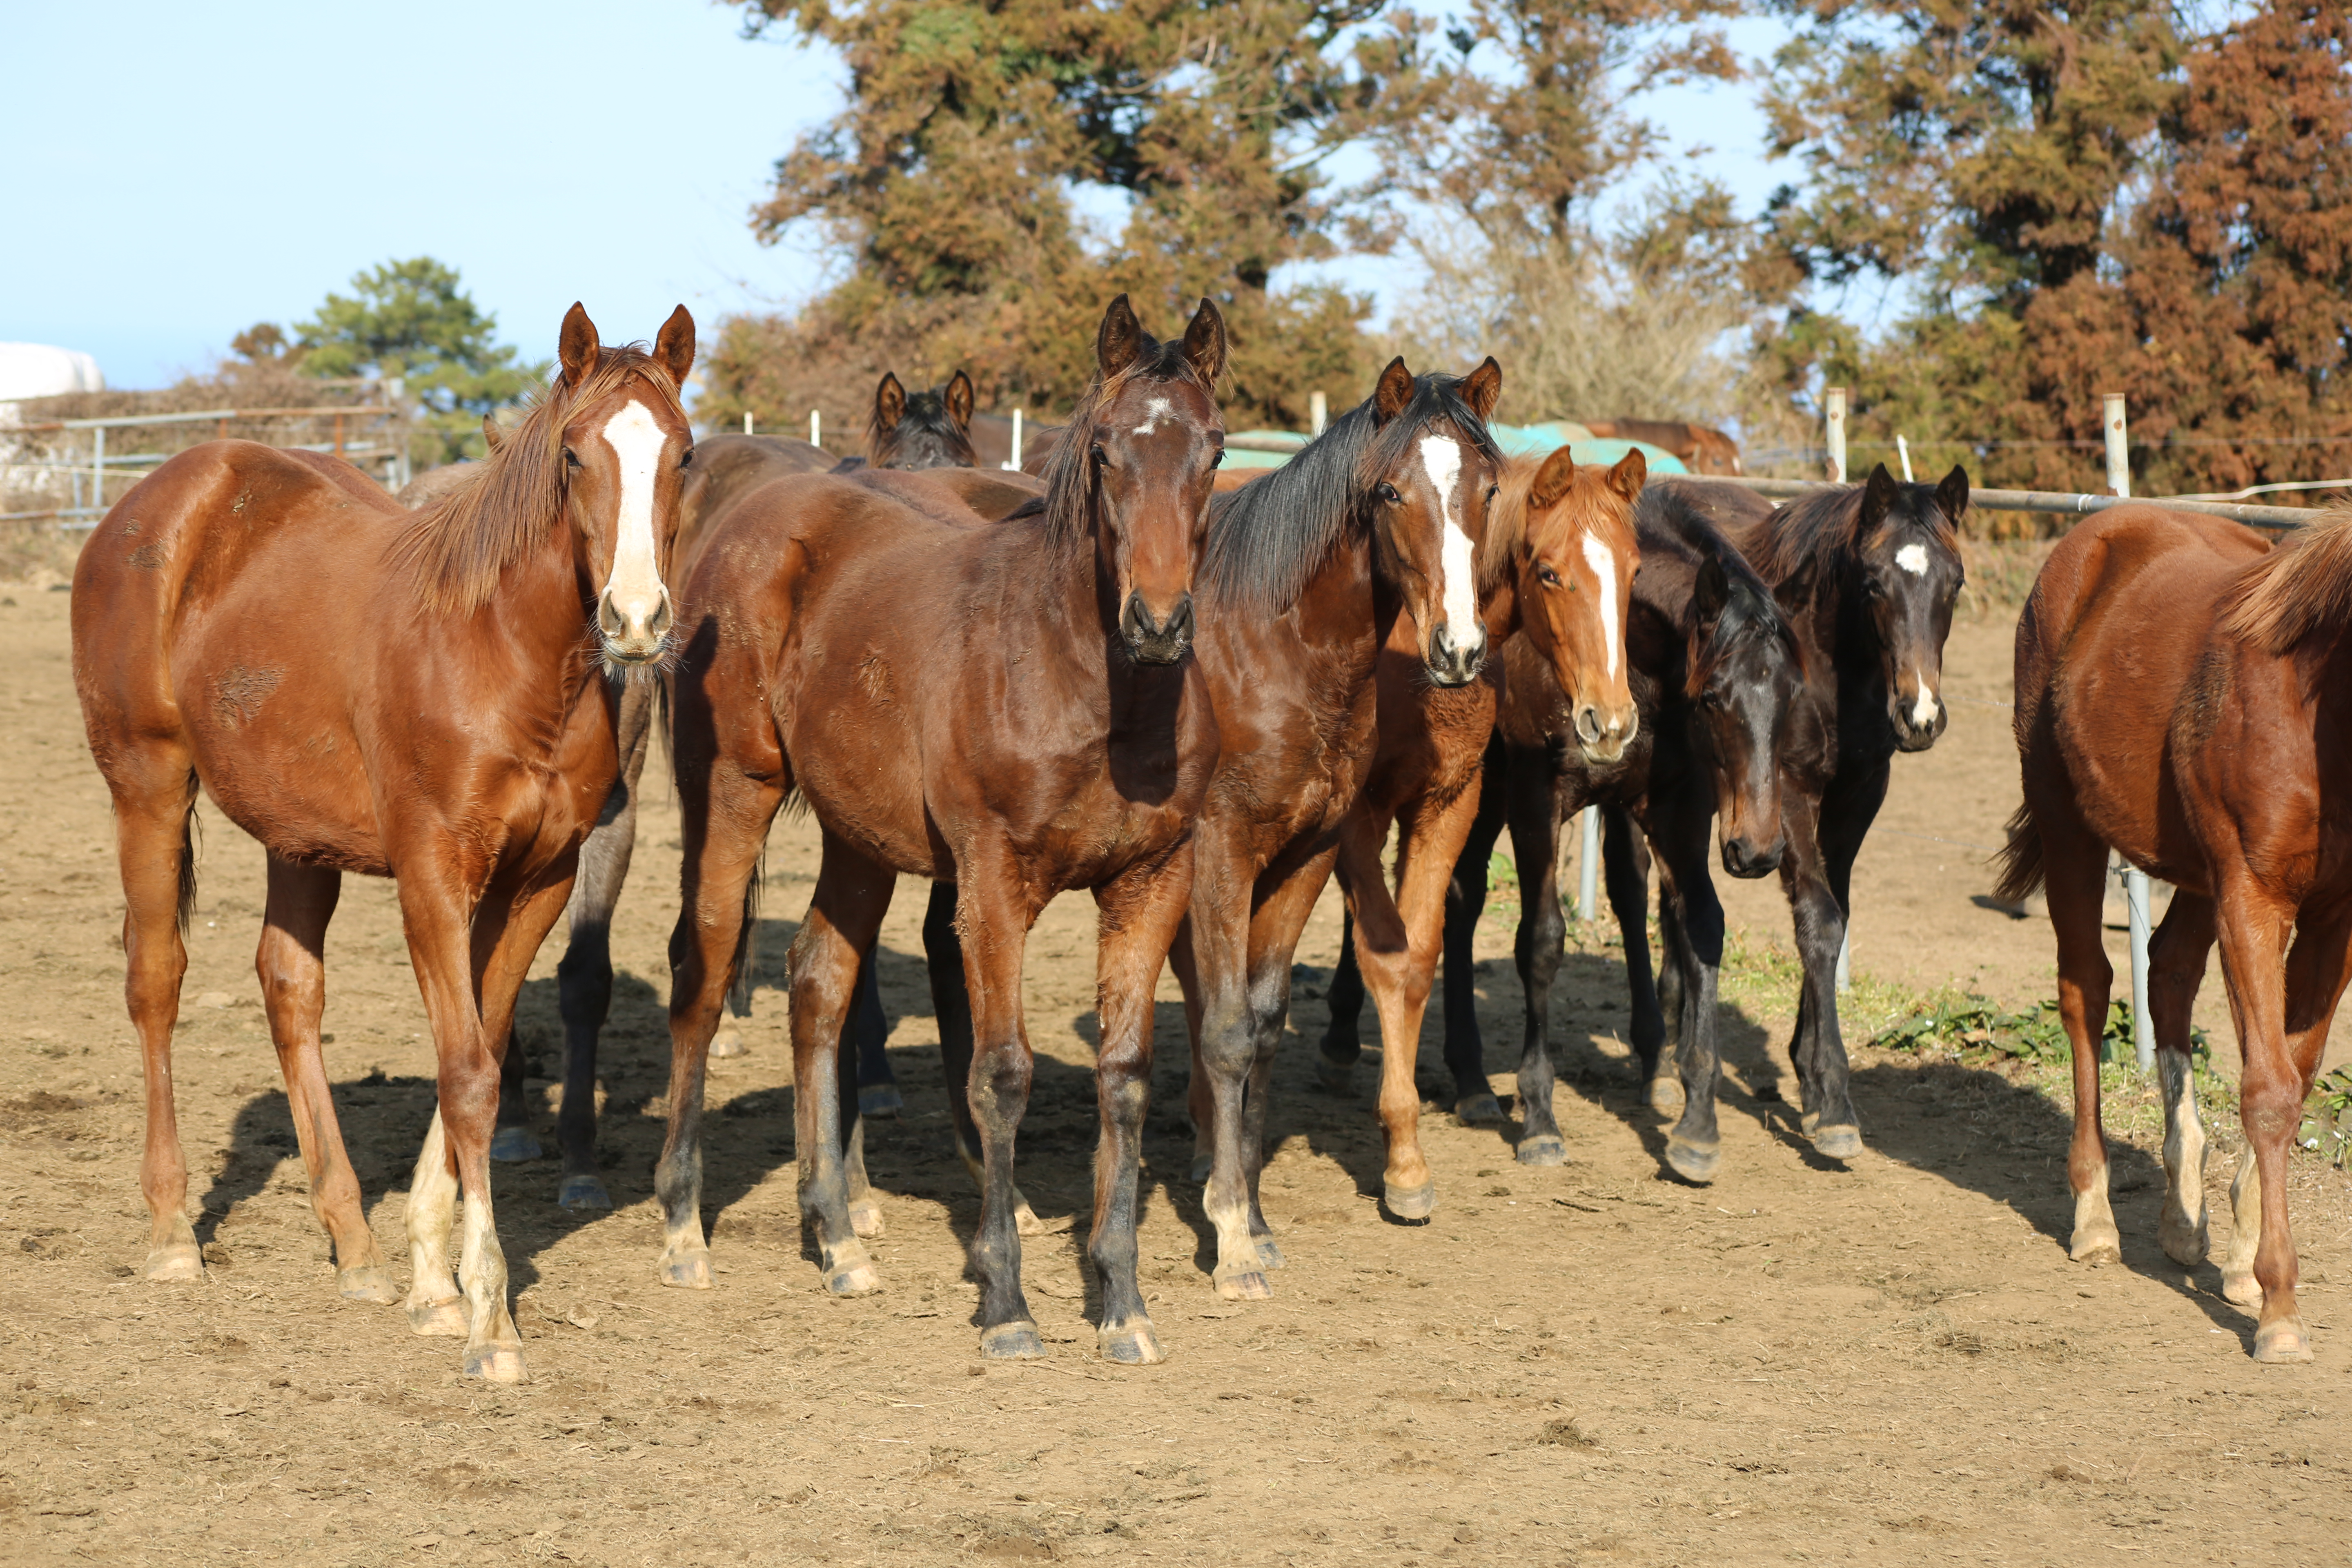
{"points": [[1269, 539], [1825, 526], [1508, 514], [1068, 470], [1667, 528], [459, 546], [2301, 590]]}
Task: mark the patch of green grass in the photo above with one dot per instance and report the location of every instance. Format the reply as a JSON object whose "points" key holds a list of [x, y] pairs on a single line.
{"points": [[2326, 1129]]}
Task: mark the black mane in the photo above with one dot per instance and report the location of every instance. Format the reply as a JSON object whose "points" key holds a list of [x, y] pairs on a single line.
{"points": [[1269, 539], [926, 436]]}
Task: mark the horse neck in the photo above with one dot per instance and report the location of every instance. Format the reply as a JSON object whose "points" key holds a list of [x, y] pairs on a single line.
{"points": [[541, 619]]}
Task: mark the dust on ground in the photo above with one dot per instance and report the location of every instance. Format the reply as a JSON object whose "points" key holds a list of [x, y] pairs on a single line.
{"points": [[1590, 1364]]}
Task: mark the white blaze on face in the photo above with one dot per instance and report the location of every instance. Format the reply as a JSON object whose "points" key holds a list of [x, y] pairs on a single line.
{"points": [[1604, 572], [1923, 706], [1156, 410], [1440, 455], [634, 587], [1913, 558]]}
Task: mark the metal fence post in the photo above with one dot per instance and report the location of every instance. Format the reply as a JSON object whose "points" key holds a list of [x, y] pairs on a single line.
{"points": [[2136, 890], [1588, 865], [98, 470], [1834, 413], [1014, 463], [816, 426], [1318, 412]]}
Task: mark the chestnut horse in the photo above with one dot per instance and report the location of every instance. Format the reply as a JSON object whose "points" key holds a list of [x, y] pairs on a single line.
{"points": [[1867, 575], [423, 696], [1559, 558], [1715, 670], [2178, 691], [1012, 708]]}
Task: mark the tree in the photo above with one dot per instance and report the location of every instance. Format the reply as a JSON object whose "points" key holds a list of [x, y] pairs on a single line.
{"points": [[946, 183]]}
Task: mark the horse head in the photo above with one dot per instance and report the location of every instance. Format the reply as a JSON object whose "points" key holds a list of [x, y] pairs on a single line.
{"points": [[1745, 674], [1432, 468], [1907, 556], [924, 429], [1577, 559]]}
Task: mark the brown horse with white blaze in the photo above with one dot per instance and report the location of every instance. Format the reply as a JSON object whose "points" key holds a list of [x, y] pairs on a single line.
{"points": [[420, 696], [1012, 708], [2180, 699]]}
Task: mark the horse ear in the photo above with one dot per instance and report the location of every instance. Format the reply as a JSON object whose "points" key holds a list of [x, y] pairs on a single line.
{"points": [[674, 346], [1712, 590], [493, 436], [1205, 341], [1877, 496], [1794, 592], [576, 346], [889, 403], [1952, 495], [960, 400], [1483, 387], [1559, 472], [1120, 339], [1394, 391], [1629, 474]]}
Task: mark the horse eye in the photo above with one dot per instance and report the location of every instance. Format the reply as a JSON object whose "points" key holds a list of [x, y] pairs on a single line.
{"points": [[685, 457], [1099, 455], [1217, 459], [570, 457], [1550, 578], [1387, 492]]}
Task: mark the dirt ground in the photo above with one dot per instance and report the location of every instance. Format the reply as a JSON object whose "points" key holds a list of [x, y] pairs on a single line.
{"points": [[1593, 1364]]}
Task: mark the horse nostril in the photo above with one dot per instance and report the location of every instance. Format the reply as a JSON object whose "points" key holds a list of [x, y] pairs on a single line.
{"points": [[1587, 725], [608, 618], [657, 624]]}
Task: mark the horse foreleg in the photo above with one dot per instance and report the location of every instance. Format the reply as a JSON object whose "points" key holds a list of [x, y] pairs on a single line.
{"points": [[845, 915], [1384, 953], [2177, 956], [1215, 966], [951, 1005], [994, 916], [1465, 899], [1275, 927], [1533, 811], [1678, 834], [1651, 995], [1818, 1052], [1343, 1043], [302, 901], [1141, 912]]}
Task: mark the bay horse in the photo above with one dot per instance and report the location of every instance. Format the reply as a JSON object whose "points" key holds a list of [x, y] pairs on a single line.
{"points": [[1867, 575], [1704, 449], [1558, 559], [1715, 672], [1011, 707], [925, 430], [426, 696], [2179, 687]]}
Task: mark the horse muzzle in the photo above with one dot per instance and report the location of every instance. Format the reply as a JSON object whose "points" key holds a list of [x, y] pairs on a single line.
{"points": [[1452, 663], [1918, 722], [635, 633], [1164, 641], [1602, 735], [1744, 858]]}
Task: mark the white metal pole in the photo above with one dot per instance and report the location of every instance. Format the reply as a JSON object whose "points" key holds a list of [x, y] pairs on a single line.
{"points": [[1588, 868], [1833, 411], [1318, 412], [2112, 421], [747, 422], [1014, 464], [1903, 450], [816, 426], [98, 470]]}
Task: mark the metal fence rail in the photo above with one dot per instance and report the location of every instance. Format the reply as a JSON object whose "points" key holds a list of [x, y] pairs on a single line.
{"points": [[2270, 517]]}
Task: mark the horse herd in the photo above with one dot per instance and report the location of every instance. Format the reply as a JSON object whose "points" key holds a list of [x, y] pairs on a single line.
{"points": [[1198, 696]]}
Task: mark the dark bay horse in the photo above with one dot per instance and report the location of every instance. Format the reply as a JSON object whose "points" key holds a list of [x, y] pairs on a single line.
{"points": [[2179, 686], [1867, 575], [1011, 707], [426, 696], [1560, 556], [1716, 673], [925, 430]]}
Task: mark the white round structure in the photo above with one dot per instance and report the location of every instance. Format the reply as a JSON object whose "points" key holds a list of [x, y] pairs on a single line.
{"points": [[37, 369]]}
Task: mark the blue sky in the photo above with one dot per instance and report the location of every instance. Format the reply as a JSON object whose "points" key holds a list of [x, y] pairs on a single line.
{"points": [[180, 172]]}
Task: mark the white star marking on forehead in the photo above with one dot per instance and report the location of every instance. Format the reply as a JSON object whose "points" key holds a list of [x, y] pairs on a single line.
{"points": [[1913, 558], [1156, 410]]}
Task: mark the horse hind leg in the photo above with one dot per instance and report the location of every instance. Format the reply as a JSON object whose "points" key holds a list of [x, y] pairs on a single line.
{"points": [[2176, 956], [2238, 1285], [153, 838], [584, 984], [2074, 865], [301, 902]]}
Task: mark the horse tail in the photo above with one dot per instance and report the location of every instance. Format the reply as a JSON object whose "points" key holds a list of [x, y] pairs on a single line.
{"points": [[187, 907], [739, 995], [2019, 860]]}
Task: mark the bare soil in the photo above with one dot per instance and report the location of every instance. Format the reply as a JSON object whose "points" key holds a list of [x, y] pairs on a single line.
{"points": [[1597, 1364]]}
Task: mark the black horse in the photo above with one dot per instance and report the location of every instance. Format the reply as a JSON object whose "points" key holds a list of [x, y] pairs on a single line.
{"points": [[1867, 575], [1716, 671]]}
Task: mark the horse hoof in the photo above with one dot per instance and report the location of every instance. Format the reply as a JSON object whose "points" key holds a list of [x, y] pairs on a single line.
{"points": [[1024, 1218], [2183, 1242], [1410, 1203], [1012, 1342], [367, 1282], [1542, 1150], [583, 1193], [852, 1274], [496, 1363], [513, 1145], [174, 1260], [2281, 1342], [880, 1100], [686, 1269], [1693, 1162], [445, 1319], [1339, 1077], [1132, 1343], [729, 1042], [1479, 1110], [865, 1219], [1843, 1141], [1666, 1096], [1269, 1256], [2096, 1244], [1245, 1284], [2241, 1291]]}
